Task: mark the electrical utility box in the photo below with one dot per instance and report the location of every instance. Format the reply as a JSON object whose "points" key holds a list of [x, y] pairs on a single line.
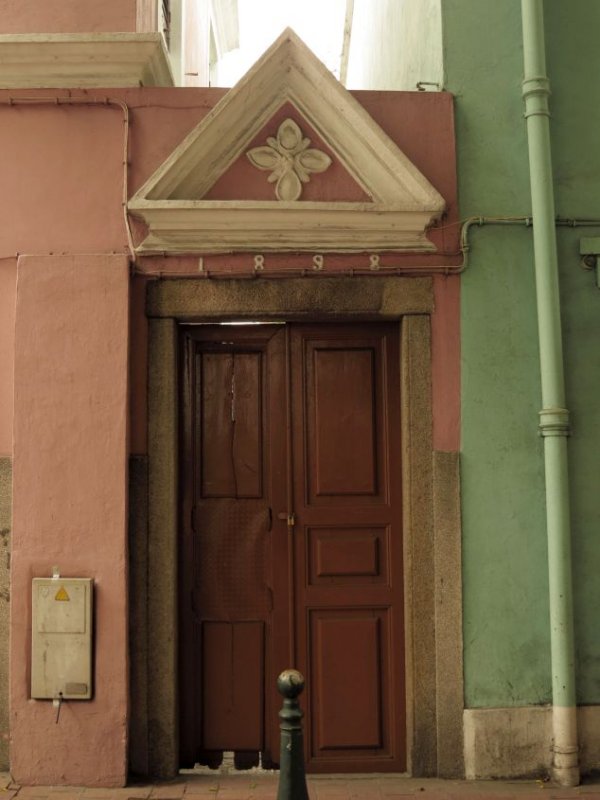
{"points": [[61, 638]]}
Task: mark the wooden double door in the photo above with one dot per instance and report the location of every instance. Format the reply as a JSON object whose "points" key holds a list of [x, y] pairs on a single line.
{"points": [[291, 542]]}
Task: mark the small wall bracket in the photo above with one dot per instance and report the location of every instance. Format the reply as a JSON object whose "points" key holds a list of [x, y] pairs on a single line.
{"points": [[589, 249]]}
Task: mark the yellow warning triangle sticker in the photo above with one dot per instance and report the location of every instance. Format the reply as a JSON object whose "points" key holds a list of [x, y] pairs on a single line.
{"points": [[62, 594]]}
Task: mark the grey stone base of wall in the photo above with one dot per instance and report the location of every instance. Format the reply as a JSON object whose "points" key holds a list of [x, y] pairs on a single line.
{"points": [[5, 529], [515, 742], [448, 614], [138, 615]]}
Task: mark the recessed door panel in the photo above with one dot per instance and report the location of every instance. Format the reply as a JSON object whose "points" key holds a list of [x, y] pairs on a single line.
{"points": [[343, 401], [346, 667], [232, 685], [340, 385], [231, 435], [340, 555]]}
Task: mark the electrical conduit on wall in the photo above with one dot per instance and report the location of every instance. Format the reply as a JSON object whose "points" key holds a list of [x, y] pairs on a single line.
{"points": [[554, 417]]}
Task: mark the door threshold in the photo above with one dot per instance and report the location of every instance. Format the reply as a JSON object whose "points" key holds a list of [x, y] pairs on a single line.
{"points": [[201, 770], [227, 767]]}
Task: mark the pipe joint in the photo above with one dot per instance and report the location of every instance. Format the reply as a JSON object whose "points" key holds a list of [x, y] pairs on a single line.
{"points": [[541, 110], [554, 422], [536, 91], [563, 750], [535, 85], [566, 776], [565, 765]]}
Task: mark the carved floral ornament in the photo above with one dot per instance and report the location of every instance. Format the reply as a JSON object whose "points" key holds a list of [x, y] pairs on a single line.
{"points": [[291, 160]]}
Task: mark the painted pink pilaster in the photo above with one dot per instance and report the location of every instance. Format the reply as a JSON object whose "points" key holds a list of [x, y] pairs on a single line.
{"points": [[8, 286], [445, 362], [70, 503]]}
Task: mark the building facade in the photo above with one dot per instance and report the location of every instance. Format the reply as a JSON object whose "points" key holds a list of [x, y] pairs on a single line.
{"points": [[350, 479]]}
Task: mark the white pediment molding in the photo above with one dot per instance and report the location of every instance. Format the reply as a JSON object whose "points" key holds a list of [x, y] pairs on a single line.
{"points": [[403, 202]]}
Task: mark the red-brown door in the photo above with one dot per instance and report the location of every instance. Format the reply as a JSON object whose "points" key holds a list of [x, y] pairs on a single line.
{"points": [[291, 549]]}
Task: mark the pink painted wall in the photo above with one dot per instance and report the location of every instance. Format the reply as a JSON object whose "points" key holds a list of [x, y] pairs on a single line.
{"points": [[68, 180], [74, 356], [67, 16], [70, 503], [8, 294]]}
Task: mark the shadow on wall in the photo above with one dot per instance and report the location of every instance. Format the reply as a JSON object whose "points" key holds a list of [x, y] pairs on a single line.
{"points": [[5, 526]]}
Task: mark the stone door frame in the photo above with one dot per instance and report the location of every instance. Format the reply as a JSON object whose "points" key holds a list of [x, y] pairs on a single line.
{"points": [[431, 517]]}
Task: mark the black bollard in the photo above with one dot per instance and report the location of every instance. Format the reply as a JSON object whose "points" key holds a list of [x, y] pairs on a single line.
{"points": [[292, 780]]}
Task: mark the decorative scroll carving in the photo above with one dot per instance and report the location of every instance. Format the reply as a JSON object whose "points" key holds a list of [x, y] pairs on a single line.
{"points": [[290, 159]]}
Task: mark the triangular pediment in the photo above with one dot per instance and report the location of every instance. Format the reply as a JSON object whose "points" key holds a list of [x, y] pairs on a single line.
{"points": [[398, 204]]}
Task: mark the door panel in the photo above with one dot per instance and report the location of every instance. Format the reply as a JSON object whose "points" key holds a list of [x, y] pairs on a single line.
{"points": [[230, 420], [347, 658], [291, 541], [347, 555], [232, 685], [348, 545], [341, 398], [233, 475], [338, 424]]}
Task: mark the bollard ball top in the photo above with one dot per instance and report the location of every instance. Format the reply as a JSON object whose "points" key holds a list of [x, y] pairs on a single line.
{"points": [[290, 683]]}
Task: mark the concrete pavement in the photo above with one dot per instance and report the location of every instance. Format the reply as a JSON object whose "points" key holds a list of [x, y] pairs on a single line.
{"points": [[263, 786]]}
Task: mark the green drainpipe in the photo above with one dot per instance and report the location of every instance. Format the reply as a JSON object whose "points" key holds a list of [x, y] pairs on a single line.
{"points": [[554, 417]]}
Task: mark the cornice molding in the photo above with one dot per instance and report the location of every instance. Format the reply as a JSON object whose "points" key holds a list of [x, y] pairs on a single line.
{"points": [[193, 226], [81, 61]]}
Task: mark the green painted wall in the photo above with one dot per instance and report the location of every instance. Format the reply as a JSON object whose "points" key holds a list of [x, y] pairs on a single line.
{"points": [[506, 636], [572, 31]]}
